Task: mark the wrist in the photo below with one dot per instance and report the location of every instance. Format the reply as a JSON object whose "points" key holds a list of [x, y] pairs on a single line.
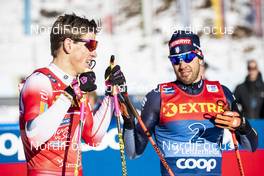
{"points": [[244, 127], [67, 97], [108, 89], [69, 92], [129, 124]]}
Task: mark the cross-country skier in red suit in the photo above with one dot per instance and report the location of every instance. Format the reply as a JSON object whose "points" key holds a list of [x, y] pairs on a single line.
{"points": [[188, 116], [49, 108]]}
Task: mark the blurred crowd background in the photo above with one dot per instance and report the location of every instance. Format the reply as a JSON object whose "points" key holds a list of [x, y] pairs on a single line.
{"points": [[137, 33]]}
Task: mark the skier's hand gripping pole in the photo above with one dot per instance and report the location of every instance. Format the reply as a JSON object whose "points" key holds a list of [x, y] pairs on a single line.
{"points": [[125, 99], [114, 77], [84, 83], [230, 120]]}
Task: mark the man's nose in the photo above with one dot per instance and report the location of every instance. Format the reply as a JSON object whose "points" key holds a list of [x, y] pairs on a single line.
{"points": [[182, 64]]}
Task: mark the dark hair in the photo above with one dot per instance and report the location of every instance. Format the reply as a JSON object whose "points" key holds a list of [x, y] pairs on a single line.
{"points": [[252, 61], [69, 26]]}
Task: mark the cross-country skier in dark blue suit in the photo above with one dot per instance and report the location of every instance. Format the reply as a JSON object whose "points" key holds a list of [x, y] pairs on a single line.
{"points": [[188, 116]]}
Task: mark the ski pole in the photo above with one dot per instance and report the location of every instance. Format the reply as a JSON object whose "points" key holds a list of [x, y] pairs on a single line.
{"points": [[126, 100], [120, 136], [82, 99], [239, 161], [118, 116]]}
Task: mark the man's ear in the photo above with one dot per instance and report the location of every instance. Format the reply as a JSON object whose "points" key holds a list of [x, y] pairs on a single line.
{"points": [[67, 45]]}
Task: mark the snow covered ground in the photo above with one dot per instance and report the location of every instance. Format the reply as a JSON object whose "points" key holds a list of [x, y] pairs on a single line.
{"points": [[144, 60]]}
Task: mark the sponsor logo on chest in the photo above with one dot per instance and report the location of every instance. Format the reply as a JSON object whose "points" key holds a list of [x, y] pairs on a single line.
{"points": [[171, 109]]}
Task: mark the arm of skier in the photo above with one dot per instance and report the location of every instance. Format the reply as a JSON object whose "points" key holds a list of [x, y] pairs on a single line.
{"points": [[102, 117], [245, 134], [101, 121], [134, 137], [40, 126]]}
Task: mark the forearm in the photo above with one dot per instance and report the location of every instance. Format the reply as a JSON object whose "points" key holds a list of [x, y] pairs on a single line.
{"points": [[135, 138], [135, 142], [130, 144], [247, 136], [41, 128], [101, 121]]}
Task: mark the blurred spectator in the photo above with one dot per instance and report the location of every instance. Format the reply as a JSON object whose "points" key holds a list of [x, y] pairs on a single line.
{"points": [[250, 94]]}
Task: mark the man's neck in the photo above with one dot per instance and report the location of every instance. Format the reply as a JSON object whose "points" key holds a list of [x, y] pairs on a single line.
{"points": [[64, 77], [64, 65], [193, 88]]}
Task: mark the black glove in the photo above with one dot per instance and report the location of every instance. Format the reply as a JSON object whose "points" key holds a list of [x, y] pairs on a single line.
{"points": [[245, 127], [86, 82], [128, 116], [115, 77]]}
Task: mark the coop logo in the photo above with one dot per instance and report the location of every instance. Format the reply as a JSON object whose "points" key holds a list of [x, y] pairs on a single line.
{"points": [[192, 163], [11, 146]]}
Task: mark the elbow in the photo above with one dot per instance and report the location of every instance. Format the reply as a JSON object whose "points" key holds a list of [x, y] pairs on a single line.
{"points": [[93, 141], [36, 138], [251, 141], [34, 141], [253, 149], [131, 154], [255, 144], [34, 144], [131, 157]]}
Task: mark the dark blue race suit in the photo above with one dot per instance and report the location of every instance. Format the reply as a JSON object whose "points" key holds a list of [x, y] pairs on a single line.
{"points": [[191, 147]]}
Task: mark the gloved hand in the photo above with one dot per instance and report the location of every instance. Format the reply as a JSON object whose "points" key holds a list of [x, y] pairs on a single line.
{"points": [[229, 119], [113, 77], [128, 117], [86, 82]]}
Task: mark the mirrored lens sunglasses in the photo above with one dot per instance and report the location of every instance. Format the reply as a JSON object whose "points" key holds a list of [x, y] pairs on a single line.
{"points": [[90, 44], [186, 57]]}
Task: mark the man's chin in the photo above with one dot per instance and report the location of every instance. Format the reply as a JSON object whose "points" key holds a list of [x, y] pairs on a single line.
{"points": [[85, 69], [186, 80]]}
